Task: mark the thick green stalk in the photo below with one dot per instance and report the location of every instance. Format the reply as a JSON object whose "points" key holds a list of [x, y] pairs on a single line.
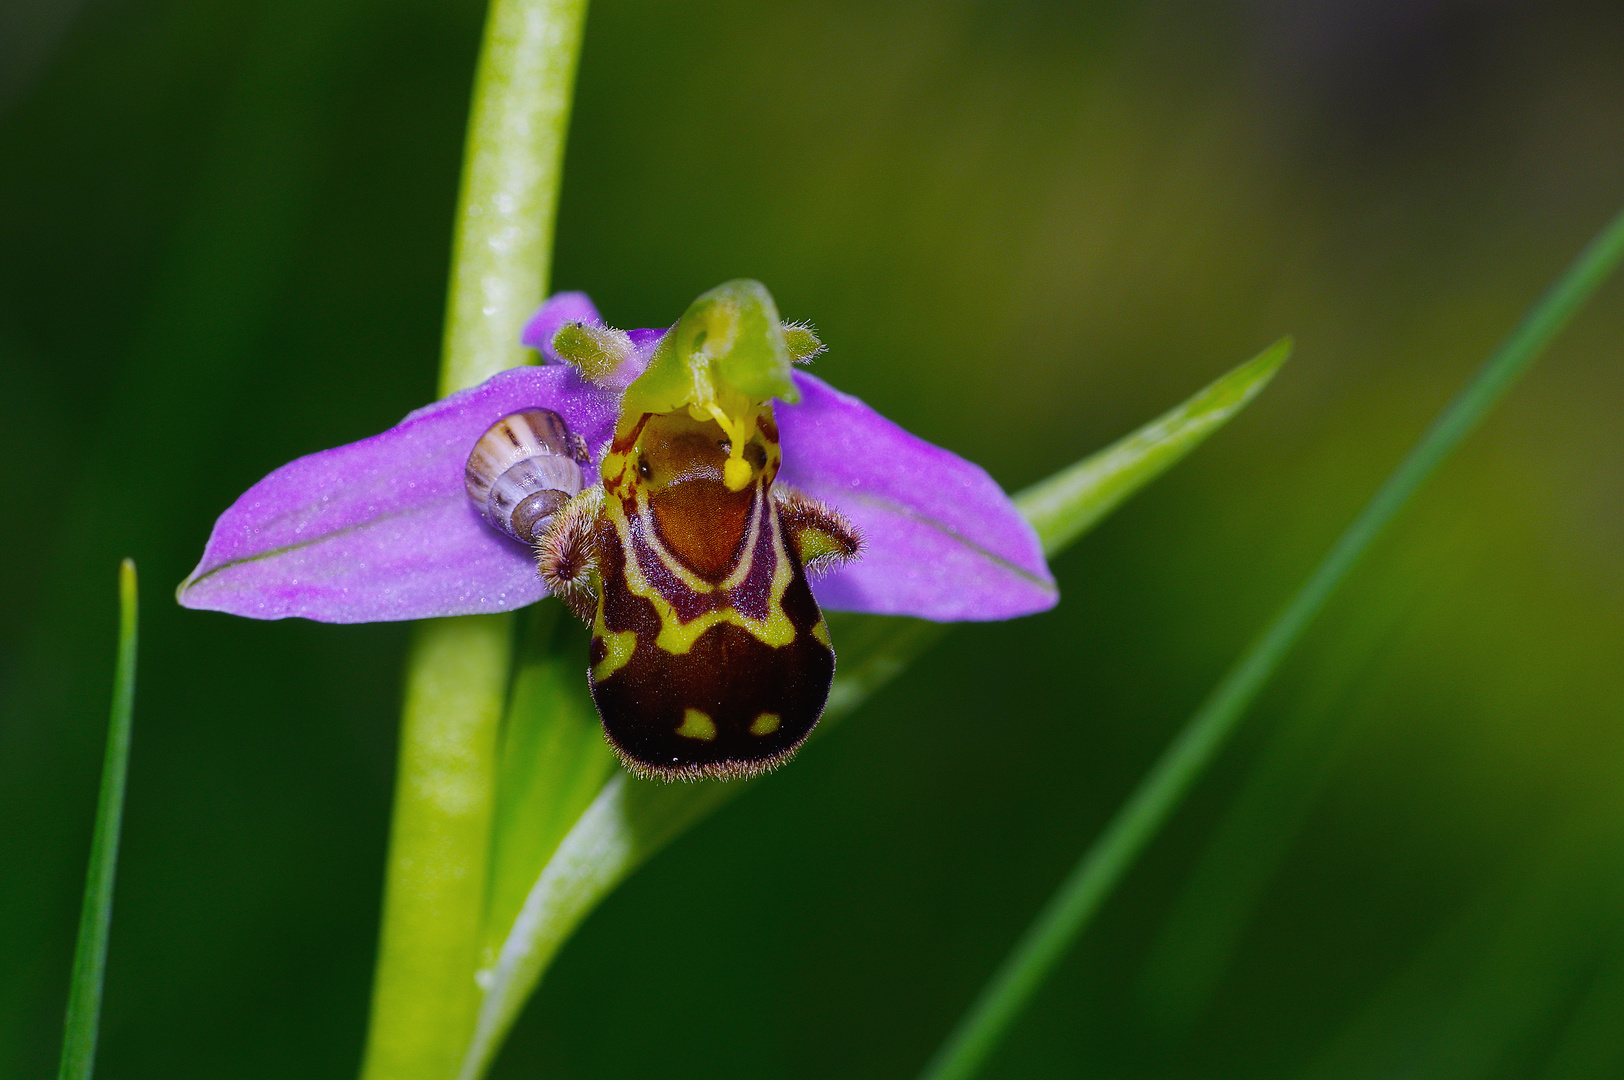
{"points": [[425, 997], [1105, 863], [90, 953], [512, 166]]}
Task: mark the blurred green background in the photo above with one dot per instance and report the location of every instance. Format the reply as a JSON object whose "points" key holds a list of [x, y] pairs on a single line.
{"points": [[1023, 228]]}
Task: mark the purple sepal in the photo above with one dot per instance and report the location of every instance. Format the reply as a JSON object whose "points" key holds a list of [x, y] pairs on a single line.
{"points": [[941, 540], [382, 529]]}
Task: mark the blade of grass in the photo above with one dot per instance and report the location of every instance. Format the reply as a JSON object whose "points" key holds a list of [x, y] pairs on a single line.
{"points": [[1153, 802], [629, 820], [90, 953]]}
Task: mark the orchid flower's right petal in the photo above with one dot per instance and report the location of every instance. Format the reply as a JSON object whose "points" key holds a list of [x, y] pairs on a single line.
{"points": [[941, 539]]}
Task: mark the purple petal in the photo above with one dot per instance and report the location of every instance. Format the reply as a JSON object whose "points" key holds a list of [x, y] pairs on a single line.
{"points": [[382, 529], [560, 308], [942, 540]]}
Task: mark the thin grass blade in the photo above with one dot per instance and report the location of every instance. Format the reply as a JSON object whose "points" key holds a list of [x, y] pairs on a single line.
{"points": [[95, 917], [1153, 802]]}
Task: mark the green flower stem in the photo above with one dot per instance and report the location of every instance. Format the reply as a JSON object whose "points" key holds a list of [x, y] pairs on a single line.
{"points": [[511, 170], [90, 953], [1159, 794], [424, 996]]}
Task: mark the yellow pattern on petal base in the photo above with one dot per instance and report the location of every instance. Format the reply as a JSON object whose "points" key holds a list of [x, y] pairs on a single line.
{"points": [[629, 475]]}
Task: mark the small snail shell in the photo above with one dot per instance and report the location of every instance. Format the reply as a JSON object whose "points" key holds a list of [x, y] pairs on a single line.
{"points": [[523, 469]]}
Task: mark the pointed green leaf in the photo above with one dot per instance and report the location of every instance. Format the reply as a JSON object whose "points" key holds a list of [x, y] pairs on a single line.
{"points": [[1072, 501], [629, 820], [552, 762]]}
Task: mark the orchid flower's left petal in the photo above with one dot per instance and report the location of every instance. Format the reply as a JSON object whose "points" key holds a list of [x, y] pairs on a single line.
{"points": [[382, 529], [941, 540]]}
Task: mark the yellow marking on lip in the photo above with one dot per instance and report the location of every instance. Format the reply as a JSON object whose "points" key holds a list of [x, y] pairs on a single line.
{"points": [[696, 725], [617, 647], [677, 637], [820, 630], [765, 724], [621, 481]]}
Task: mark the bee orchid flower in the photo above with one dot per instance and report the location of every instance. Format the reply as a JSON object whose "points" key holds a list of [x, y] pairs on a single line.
{"points": [[690, 492]]}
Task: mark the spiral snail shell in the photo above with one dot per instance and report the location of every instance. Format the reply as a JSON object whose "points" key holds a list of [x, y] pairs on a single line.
{"points": [[523, 469]]}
